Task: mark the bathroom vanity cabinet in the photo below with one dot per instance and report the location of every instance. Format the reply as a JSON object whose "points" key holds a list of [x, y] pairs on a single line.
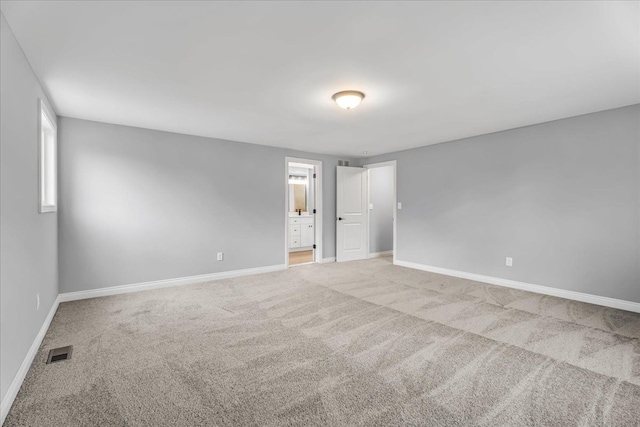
{"points": [[301, 232]]}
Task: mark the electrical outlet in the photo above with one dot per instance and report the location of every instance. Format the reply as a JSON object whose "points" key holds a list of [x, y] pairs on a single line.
{"points": [[399, 205], [370, 206], [509, 262], [220, 256], [37, 301]]}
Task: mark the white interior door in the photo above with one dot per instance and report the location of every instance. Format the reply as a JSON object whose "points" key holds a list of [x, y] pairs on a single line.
{"points": [[351, 208]]}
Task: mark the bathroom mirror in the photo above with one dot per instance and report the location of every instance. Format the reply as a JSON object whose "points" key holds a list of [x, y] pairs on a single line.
{"points": [[299, 197], [300, 191]]}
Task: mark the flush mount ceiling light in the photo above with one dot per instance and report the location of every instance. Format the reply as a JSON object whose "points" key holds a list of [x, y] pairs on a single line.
{"points": [[348, 99]]}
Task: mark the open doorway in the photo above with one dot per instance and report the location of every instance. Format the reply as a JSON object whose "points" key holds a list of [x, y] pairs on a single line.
{"points": [[382, 209], [303, 214]]}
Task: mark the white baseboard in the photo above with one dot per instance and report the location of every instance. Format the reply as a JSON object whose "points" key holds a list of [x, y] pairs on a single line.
{"points": [[15, 385], [329, 259], [545, 290], [379, 254], [123, 289]]}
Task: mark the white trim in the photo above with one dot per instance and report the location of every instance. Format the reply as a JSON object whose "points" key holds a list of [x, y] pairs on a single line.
{"points": [[318, 206], [393, 163], [380, 164], [123, 289], [15, 385], [380, 254], [43, 110], [329, 259], [545, 290]]}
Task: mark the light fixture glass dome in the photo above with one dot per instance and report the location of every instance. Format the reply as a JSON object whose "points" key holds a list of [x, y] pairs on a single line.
{"points": [[348, 99]]}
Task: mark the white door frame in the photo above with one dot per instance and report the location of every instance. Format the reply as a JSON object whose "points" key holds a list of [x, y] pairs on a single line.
{"points": [[395, 203], [318, 207]]}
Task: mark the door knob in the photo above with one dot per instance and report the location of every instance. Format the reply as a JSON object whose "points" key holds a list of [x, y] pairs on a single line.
{"points": [[339, 219]]}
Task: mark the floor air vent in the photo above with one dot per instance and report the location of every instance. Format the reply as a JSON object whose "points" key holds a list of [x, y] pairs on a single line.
{"points": [[58, 354]]}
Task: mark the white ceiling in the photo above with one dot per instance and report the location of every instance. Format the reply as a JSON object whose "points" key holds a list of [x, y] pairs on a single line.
{"points": [[264, 72]]}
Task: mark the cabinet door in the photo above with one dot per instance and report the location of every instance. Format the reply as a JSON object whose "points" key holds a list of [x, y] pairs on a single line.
{"points": [[306, 235]]}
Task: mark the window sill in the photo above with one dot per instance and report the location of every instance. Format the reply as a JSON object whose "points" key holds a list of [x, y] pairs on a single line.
{"points": [[47, 209]]}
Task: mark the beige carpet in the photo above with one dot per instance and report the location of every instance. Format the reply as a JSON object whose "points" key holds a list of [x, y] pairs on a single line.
{"points": [[361, 343]]}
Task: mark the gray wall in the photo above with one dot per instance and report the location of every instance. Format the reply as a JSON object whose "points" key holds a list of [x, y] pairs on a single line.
{"points": [[381, 216], [561, 198], [139, 205], [28, 248]]}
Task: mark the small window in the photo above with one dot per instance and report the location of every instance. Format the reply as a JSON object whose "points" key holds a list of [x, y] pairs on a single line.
{"points": [[48, 160]]}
